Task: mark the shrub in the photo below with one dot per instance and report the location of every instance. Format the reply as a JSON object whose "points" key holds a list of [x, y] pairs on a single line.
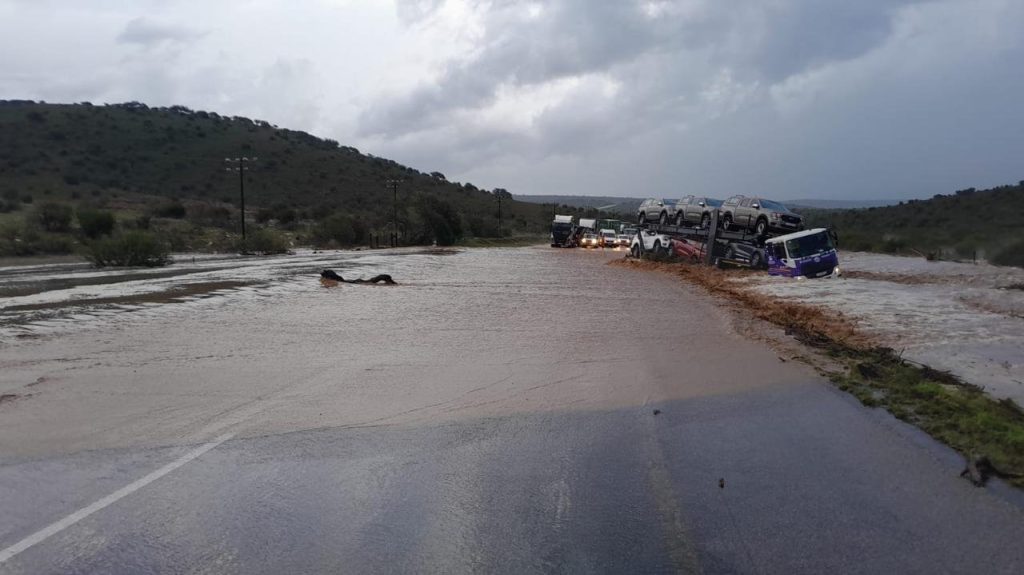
{"points": [[174, 209], [1011, 255], [53, 217], [263, 242], [340, 229], [131, 248], [95, 223], [18, 240], [280, 212], [207, 214]]}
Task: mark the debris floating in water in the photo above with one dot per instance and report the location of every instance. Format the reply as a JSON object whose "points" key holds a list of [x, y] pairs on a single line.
{"points": [[327, 276]]}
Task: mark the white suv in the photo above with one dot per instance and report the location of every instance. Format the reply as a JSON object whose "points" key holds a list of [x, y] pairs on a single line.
{"points": [[653, 243]]}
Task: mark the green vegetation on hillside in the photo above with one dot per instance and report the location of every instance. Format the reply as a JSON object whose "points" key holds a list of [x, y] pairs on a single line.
{"points": [[164, 170], [987, 224]]}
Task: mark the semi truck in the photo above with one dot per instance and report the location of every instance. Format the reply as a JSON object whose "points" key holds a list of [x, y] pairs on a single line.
{"points": [[563, 232]]}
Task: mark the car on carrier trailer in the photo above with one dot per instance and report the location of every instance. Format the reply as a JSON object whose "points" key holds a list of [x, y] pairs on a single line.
{"points": [[653, 243], [759, 215]]}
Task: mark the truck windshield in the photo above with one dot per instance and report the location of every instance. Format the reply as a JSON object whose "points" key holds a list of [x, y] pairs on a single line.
{"points": [[809, 245], [561, 226]]}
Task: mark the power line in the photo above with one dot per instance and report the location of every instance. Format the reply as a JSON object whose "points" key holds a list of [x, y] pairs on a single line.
{"points": [[238, 165], [394, 214]]}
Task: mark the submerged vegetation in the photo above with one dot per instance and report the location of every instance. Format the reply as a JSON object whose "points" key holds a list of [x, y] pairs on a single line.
{"points": [[131, 248], [952, 411]]}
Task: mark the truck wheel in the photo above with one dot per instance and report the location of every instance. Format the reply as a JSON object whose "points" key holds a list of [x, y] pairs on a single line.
{"points": [[657, 247], [663, 218], [635, 251], [761, 227], [756, 262], [730, 253], [705, 221], [726, 223], [680, 220], [641, 219]]}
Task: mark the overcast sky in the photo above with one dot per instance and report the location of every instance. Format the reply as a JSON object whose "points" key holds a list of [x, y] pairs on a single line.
{"points": [[857, 99]]}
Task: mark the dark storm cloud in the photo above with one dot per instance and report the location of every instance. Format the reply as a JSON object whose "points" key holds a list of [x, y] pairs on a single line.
{"points": [[794, 96], [764, 42], [825, 98]]}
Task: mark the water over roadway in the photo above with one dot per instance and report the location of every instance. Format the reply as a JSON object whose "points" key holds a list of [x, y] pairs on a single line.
{"points": [[495, 413]]}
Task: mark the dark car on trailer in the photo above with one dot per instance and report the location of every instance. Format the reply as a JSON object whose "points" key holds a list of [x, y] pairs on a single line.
{"points": [[759, 215]]}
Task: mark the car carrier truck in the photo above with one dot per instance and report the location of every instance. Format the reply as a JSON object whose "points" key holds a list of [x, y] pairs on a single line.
{"points": [[803, 254]]}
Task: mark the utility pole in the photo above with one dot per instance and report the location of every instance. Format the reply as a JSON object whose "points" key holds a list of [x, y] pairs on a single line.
{"points": [[499, 215], [394, 213], [238, 165]]}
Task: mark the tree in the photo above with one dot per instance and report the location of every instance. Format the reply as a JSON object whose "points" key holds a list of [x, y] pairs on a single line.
{"points": [[95, 223], [440, 220], [340, 229], [54, 217]]}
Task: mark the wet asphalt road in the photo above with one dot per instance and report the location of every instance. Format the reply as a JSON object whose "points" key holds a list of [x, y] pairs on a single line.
{"points": [[494, 414]]}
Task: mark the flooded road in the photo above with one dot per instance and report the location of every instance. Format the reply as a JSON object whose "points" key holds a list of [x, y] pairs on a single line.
{"points": [[964, 318], [502, 410]]}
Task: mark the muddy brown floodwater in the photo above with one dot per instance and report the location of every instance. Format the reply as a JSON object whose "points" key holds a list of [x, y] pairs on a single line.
{"points": [[467, 335], [500, 410]]}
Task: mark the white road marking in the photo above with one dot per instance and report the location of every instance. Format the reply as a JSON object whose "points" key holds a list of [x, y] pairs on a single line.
{"points": [[54, 528]]}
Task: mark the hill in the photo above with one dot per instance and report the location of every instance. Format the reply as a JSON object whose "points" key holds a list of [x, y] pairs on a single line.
{"points": [[624, 205], [612, 204], [811, 203], [969, 223], [170, 163]]}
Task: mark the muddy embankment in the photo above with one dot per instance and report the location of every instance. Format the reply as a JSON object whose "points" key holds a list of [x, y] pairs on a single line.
{"points": [[988, 432]]}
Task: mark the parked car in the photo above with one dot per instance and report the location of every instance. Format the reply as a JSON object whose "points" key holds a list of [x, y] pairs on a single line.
{"points": [[653, 242], [695, 210], [759, 215], [608, 239], [590, 240], [654, 210]]}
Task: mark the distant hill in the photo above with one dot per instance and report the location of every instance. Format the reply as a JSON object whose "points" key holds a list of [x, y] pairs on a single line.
{"points": [[630, 205], [986, 223], [838, 204], [604, 203], [131, 156]]}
